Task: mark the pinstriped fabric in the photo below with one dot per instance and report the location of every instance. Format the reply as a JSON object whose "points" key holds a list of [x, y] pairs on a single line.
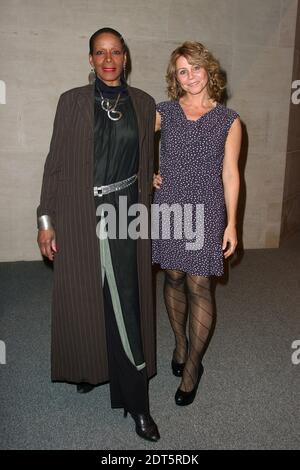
{"points": [[78, 344]]}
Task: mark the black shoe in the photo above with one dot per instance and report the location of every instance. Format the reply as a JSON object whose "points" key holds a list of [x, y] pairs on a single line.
{"points": [[84, 387], [177, 367], [186, 398], [145, 426]]}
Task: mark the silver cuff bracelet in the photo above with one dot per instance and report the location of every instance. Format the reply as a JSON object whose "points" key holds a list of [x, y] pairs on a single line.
{"points": [[44, 222]]}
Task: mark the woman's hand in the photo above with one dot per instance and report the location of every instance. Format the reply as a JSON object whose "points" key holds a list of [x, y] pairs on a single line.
{"points": [[230, 239], [157, 122], [157, 181], [47, 244]]}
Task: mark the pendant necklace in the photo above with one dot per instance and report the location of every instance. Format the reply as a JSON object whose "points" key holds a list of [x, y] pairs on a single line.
{"points": [[110, 108]]}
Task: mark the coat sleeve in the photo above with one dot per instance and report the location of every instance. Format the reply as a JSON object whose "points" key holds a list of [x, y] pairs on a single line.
{"points": [[53, 165]]}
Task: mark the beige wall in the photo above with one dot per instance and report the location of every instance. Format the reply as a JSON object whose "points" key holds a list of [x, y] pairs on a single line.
{"points": [[43, 52], [291, 194]]}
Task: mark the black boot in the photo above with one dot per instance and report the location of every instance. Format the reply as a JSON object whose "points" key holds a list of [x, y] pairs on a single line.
{"points": [[145, 426], [84, 387]]}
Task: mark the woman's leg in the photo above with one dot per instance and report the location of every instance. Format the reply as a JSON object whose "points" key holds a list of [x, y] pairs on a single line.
{"points": [[127, 367], [200, 323], [128, 385], [176, 305]]}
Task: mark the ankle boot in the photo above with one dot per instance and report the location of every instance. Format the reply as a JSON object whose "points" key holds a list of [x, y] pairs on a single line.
{"points": [[145, 426]]}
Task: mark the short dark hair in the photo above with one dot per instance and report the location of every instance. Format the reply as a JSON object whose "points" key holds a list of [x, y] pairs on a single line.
{"points": [[106, 30]]}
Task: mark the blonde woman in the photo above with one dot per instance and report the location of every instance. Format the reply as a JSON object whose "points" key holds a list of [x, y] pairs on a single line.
{"points": [[200, 145]]}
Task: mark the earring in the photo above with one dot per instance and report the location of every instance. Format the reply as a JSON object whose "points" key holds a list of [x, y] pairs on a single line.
{"points": [[92, 76], [124, 69]]}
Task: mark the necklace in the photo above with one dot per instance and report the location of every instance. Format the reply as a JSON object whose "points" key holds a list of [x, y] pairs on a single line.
{"points": [[110, 108]]}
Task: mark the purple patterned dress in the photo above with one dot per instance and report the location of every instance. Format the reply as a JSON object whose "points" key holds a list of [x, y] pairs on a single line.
{"points": [[191, 160]]}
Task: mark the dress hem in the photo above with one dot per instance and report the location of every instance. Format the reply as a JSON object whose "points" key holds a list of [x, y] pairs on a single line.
{"points": [[192, 273]]}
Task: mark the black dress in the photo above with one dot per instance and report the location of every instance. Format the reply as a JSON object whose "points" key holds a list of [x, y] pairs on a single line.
{"points": [[116, 145]]}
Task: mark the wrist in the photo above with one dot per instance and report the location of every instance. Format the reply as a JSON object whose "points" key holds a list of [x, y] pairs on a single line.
{"points": [[231, 224], [44, 222]]}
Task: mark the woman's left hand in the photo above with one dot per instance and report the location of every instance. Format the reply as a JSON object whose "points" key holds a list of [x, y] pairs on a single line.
{"points": [[229, 240], [157, 181]]}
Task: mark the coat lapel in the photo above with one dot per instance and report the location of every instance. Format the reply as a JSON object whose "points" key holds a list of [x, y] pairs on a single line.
{"points": [[85, 101], [138, 108]]}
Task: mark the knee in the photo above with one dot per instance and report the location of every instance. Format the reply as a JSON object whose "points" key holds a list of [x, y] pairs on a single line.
{"points": [[174, 279]]}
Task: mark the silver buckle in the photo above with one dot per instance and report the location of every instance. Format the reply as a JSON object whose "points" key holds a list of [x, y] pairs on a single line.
{"points": [[101, 190], [98, 191]]}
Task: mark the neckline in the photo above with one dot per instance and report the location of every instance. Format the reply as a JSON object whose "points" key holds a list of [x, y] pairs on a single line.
{"points": [[110, 91], [199, 118]]}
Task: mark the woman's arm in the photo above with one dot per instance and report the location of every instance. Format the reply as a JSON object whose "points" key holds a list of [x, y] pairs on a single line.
{"points": [[231, 183], [156, 177], [151, 130]]}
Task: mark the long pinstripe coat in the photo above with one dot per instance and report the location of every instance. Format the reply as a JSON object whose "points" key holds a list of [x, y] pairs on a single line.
{"points": [[78, 344]]}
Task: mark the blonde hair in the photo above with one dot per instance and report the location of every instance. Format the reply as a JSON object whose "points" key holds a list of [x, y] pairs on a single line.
{"points": [[196, 54]]}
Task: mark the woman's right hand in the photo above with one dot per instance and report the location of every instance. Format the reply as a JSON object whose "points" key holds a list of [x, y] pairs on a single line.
{"points": [[157, 181], [47, 244]]}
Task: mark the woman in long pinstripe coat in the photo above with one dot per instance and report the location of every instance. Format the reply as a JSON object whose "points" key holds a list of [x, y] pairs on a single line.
{"points": [[90, 338]]}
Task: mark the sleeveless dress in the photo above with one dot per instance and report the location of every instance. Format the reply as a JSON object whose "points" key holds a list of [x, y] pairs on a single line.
{"points": [[191, 161]]}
